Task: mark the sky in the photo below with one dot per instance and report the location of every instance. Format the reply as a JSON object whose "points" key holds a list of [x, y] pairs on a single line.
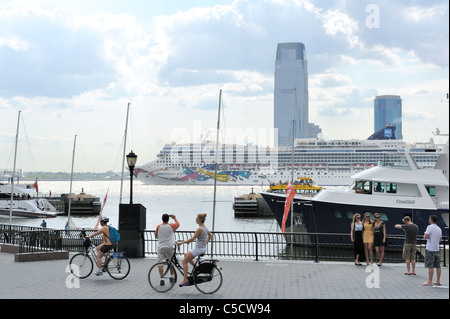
{"points": [[72, 68]]}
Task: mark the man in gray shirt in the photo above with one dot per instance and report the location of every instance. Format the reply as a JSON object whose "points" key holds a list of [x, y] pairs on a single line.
{"points": [[409, 248]]}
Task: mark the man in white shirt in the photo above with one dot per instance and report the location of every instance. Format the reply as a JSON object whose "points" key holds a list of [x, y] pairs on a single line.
{"points": [[433, 235], [166, 239]]}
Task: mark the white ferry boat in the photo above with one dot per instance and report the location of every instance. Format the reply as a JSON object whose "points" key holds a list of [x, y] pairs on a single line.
{"points": [[392, 191], [327, 162]]}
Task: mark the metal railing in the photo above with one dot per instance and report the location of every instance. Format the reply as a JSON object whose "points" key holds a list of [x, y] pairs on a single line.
{"points": [[297, 246], [250, 245]]}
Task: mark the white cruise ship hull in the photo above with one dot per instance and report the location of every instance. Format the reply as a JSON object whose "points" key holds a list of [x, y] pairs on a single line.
{"points": [[168, 176]]}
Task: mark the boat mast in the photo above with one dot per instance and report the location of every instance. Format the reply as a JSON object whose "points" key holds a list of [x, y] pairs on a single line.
{"points": [[124, 151], [292, 162], [217, 155], [14, 170], [71, 178]]}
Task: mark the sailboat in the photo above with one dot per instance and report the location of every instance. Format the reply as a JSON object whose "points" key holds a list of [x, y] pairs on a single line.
{"points": [[15, 199]]}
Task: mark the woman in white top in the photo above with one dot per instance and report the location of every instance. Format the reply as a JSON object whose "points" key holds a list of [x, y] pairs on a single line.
{"points": [[203, 236]]}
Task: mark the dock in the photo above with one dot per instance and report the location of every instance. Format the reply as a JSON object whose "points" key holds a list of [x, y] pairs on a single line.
{"points": [[251, 205], [245, 280]]}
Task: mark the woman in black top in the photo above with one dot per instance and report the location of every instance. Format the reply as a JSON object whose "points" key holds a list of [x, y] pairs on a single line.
{"points": [[379, 237]]}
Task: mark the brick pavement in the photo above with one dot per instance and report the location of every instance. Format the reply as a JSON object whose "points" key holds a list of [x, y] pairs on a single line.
{"points": [[243, 279]]}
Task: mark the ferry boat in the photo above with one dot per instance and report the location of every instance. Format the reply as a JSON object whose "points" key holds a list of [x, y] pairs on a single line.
{"points": [[393, 190], [327, 162], [22, 204]]}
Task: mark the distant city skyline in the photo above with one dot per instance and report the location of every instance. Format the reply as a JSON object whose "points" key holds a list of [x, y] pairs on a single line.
{"points": [[72, 67]]}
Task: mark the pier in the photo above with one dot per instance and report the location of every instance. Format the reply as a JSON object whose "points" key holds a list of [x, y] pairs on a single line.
{"points": [[245, 277]]}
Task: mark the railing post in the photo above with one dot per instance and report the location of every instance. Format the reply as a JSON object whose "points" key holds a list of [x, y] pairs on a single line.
{"points": [[317, 247], [256, 247]]}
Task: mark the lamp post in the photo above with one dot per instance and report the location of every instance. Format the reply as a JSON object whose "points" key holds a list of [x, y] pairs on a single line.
{"points": [[131, 161]]}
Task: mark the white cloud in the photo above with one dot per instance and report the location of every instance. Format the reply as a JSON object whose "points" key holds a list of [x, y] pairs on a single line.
{"points": [[75, 66]]}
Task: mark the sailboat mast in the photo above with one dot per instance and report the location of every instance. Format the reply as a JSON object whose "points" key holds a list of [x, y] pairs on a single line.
{"points": [[292, 163], [124, 151], [71, 178], [14, 170], [217, 156]]}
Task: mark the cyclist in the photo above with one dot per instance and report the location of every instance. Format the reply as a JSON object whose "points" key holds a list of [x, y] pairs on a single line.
{"points": [[166, 240], [105, 246], [203, 236]]}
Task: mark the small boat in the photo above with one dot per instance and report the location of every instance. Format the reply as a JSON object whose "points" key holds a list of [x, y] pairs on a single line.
{"points": [[303, 186], [22, 204]]}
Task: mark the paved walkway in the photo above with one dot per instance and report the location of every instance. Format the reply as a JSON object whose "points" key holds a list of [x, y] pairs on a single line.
{"points": [[243, 279]]}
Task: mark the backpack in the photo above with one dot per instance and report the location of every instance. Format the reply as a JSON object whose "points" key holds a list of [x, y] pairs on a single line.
{"points": [[114, 235]]}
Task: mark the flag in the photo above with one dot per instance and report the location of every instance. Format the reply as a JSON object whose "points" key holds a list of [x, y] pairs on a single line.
{"points": [[101, 210], [35, 185], [290, 193]]}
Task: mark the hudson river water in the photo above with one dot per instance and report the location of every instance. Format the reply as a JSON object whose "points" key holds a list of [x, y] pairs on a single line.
{"points": [[183, 201]]}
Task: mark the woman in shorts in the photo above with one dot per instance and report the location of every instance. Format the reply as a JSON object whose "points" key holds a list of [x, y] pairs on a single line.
{"points": [[203, 236]]}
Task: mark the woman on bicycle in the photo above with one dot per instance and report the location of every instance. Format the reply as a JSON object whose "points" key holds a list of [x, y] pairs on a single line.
{"points": [[203, 236], [106, 244]]}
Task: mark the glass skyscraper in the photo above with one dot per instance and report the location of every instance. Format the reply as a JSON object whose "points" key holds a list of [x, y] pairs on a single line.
{"points": [[291, 72], [388, 110]]}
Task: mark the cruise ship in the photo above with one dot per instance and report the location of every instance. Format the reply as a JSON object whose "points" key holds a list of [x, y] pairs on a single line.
{"points": [[327, 162]]}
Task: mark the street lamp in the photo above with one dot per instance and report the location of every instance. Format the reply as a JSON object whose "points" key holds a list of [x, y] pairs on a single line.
{"points": [[131, 161]]}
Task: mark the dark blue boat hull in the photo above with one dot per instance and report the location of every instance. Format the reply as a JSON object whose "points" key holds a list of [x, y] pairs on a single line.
{"points": [[323, 217]]}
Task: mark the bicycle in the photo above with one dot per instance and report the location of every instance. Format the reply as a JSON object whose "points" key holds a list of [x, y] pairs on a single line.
{"points": [[206, 275], [116, 264]]}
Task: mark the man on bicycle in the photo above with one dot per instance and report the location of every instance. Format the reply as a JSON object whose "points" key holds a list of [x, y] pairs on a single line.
{"points": [[166, 240], [105, 246]]}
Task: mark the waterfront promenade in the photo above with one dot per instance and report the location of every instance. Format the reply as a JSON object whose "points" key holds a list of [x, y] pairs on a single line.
{"points": [[244, 279]]}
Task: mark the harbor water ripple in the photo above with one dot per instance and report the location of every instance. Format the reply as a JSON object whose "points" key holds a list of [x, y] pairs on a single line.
{"points": [[183, 201]]}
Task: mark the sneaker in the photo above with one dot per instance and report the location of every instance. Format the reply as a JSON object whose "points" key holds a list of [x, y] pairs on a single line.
{"points": [[99, 272]]}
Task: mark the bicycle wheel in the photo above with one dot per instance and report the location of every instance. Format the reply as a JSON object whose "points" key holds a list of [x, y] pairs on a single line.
{"points": [[208, 282], [81, 265], [118, 267], [162, 277]]}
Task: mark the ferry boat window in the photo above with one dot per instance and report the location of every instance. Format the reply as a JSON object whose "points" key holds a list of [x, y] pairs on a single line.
{"points": [[384, 217], [431, 190], [367, 187], [337, 213], [349, 214], [391, 188], [378, 187], [359, 187]]}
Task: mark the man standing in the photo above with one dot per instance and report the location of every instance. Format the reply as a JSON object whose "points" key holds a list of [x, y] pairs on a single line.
{"points": [[166, 239], [433, 235], [409, 248]]}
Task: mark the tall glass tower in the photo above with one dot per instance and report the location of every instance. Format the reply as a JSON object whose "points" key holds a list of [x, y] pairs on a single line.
{"points": [[388, 110], [291, 73]]}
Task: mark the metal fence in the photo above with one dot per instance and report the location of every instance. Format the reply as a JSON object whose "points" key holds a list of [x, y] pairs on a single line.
{"points": [[296, 246], [250, 245]]}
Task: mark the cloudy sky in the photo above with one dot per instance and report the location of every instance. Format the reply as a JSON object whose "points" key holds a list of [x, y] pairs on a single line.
{"points": [[72, 67]]}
